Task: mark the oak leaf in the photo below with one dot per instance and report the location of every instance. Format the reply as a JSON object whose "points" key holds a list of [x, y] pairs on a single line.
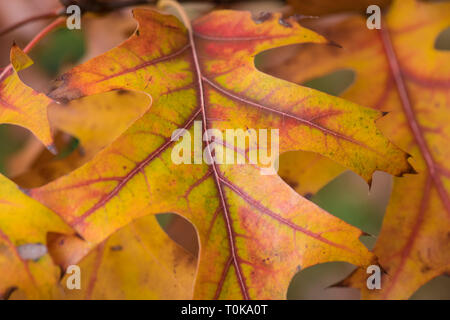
{"points": [[96, 121], [398, 69], [307, 172], [255, 232], [25, 264], [20, 104], [137, 262]]}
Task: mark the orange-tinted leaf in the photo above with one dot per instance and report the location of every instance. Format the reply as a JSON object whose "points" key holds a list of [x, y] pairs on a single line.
{"points": [[399, 70], [307, 172], [22, 160], [361, 52], [98, 120], [413, 246], [95, 121], [67, 250], [35, 166], [25, 264], [254, 230], [20, 104], [137, 262]]}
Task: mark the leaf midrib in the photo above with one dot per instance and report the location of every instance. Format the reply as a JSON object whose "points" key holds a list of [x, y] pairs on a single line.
{"points": [[228, 221], [219, 180]]}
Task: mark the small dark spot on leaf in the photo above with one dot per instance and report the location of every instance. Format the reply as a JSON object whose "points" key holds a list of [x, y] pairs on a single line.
{"points": [[366, 234], [261, 17], [138, 33], [334, 44], [284, 23], [383, 270], [63, 101], [79, 236], [292, 184], [122, 92], [425, 269], [62, 77], [116, 248], [308, 195], [81, 151]]}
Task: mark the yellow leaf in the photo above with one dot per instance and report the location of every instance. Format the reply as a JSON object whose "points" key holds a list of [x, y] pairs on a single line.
{"points": [[20, 104], [307, 172], [398, 69], [255, 232], [95, 121], [137, 262], [25, 264]]}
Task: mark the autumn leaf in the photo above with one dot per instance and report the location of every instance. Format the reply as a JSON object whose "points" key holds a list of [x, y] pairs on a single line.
{"points": [[255, 232], [95, 121], [399, 69], [20, 104], [80, 118], [25, 264], [137, 262], [307, 172]]}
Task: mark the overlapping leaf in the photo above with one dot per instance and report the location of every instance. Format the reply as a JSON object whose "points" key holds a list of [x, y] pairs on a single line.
{"points": [[254, 230], [137, 262], [20, 104], [95, 121], [307, 172], [25, 264], [398, 69]]}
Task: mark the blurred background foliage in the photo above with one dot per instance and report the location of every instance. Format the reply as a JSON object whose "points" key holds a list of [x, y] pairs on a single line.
{"points": [[347, 197]]}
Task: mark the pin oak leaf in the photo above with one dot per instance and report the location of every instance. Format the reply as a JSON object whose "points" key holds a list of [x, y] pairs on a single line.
{"points": [[399, 70], [254, 231], [22, 105]]}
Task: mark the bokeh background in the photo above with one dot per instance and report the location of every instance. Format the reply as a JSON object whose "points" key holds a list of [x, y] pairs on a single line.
{"points": [[348, 196]]}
